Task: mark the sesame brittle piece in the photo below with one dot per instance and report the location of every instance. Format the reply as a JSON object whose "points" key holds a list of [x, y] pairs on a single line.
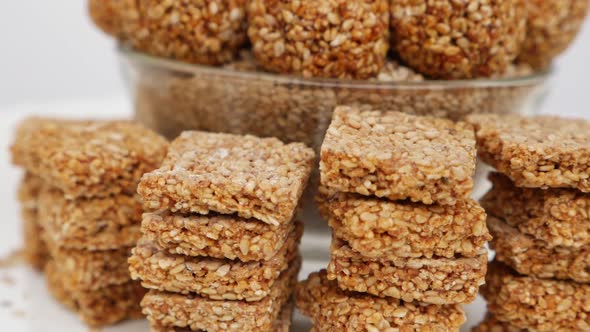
{"points": [[398, 156], [429, 280], [253, 177], [334, 310]]}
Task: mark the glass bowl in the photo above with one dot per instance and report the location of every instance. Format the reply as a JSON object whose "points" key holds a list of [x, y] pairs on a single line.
{"points": [[171, 96]]}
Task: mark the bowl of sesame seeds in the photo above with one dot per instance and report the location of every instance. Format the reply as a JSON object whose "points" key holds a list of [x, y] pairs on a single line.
{"points": [[171, 96]]}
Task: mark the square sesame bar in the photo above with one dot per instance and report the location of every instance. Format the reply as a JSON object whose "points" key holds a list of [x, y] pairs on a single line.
{"points": [[380, 228], [217, 279], [281, 324], [90, 270], [215, 235], [429, 280], [534, 304], [252, 177], [173, 310], [334, 310], [531, 256], [537, 152], [398, 156], [90, 224], [492, 324], [87, 158], [560, 217], [99, 307], [35, 250]]}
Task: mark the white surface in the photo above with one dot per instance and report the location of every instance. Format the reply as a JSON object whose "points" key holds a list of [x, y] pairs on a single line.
{"points": [[25, 304]]}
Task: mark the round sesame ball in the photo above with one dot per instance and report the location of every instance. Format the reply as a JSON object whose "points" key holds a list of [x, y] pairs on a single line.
{"points": [[114, 17], [552, 26], [321, 38], [458, 39], [209, 32]]}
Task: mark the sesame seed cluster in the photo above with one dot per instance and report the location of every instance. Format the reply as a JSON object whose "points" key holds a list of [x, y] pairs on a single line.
{"points": [[441, 39], [539, 219], [81, 216], [408, 243], [219, 250]]}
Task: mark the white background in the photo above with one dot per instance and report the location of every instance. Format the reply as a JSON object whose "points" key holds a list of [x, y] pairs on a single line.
{"points": [[50, 51]]}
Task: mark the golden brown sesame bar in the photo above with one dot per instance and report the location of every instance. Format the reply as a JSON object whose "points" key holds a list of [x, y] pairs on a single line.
{"points": [[100, 307], [458, 39], [84, 270], [114, 17], [398, 156], [552, 26], [537, 152], [177, 310], [87, 158], [492, 324], [281, 324], [217, 279], [35, 251], [90, 224], [215, 235], [530, 256], [560, 217], [335, 310], [430, 280], [378, 228], [542, 305], [206, 32], [323, 38], [259, 178]]}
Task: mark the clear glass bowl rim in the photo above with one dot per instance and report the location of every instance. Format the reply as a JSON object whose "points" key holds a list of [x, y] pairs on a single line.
{"points": [[177, 66]]}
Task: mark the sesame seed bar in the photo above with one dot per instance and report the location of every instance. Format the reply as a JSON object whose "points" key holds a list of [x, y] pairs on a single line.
{"points": [[259, 178], [538, 152], [171, 310], [217, 279], [215, 235], [90, 270], [530, 256], [559, 217], [429, 280], [398, 156], [535, 304], [334, 310], [99, 307], [492, 324], [378, 228], [35, 250], [90, 224], [281, 324], [87, 158]]}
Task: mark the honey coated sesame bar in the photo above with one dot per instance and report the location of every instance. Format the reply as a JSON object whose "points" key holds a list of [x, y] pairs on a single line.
{"points": [[171, 310], [430, 280], [259, 178], [398, 156], [35, 250], [99, 307], [87, 158], [537, 152], [90, 224], [215, 235], [217, 279], [334, 310], [492, 324], [534, 304], [379, 228], [531, 256], [560, 217]]}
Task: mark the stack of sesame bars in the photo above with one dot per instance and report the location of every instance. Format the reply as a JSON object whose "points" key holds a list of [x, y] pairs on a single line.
{"points": [[408, 242], [219, 250], [80, 210], [539, 210]]}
